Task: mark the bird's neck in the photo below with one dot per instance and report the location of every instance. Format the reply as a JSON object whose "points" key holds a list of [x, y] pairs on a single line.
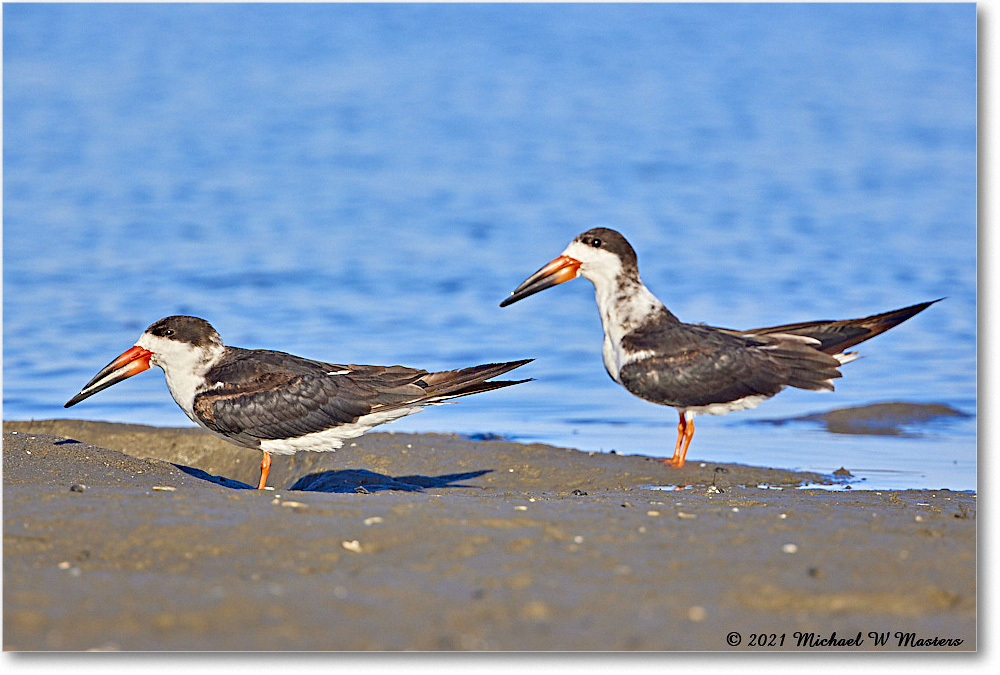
{"points": [[186, 376], [625, 304]]}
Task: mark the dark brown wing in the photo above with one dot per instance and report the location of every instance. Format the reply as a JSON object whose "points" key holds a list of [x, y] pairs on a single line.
{"points": [[272, 395], [692, 365]]}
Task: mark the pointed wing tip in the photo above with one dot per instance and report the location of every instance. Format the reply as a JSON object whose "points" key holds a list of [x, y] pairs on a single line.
{"points": [[506, 365], [913, 310]]}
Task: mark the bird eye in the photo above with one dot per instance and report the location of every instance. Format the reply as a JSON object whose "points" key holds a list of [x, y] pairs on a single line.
{"points": [[595, 242], [168, 332]]}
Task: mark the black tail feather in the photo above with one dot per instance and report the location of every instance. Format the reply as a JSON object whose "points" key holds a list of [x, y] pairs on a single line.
{"points": [[454, 383], [837, 336]]}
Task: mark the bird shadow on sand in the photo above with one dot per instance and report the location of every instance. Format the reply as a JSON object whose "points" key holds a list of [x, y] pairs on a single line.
{"points": [[350, 480], [362, 480], [218, 480]]}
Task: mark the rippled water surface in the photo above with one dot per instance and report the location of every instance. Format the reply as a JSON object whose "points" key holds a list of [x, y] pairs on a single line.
{"points": [[366, 183]]}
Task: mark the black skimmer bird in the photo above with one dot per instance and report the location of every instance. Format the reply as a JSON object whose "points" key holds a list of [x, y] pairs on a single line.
{"points": [[279, 403], [696, 368]]}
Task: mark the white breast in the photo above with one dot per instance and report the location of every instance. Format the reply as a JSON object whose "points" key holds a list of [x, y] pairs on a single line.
{"points": [[623, 308], [329, 440]]}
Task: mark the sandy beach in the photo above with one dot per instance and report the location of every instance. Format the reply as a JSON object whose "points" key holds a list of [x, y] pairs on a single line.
{"points": [[124, 537]]}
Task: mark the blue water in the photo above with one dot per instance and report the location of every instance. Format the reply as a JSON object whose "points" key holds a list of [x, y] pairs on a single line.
{"points": [[365, 183]]}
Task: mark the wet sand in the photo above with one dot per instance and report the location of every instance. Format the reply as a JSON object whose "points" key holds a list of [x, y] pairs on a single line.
{"points": [[127, 537]]}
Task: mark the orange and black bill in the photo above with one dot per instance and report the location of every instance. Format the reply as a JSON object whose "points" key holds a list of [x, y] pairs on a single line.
{"points": [[132, 362], [556, 272]]}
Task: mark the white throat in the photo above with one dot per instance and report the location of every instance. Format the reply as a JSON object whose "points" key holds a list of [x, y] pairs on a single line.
{"points": [[623, 301], [184, 367]]}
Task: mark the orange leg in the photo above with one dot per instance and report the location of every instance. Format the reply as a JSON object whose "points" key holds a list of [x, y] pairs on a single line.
{"points": [[265, 466], [685, 432]]}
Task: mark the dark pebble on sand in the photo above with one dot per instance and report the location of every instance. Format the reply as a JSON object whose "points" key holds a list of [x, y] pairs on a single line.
{"points": [[77, 487]]}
